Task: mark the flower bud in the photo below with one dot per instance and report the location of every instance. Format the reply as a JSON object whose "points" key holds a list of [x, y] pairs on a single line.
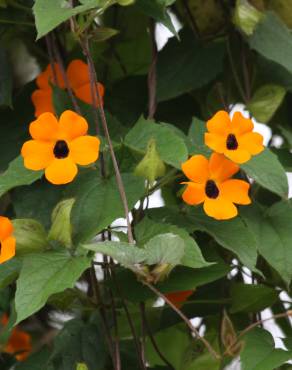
{"points": [[246, 17], [30, 236], [125, 2], [151, 166], [61, 229]]}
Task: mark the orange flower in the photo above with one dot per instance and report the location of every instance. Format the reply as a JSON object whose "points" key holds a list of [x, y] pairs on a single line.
{"points": [[58, 146], [235, 138], [78, 77], [178, 298], [7, 241], [19, 343], [211, 184]]}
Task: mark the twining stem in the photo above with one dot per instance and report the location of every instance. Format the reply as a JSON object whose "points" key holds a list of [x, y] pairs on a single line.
{"points": [[93, 83], [152, 78], [152, 339], [131, 324], [234, 72], [185, 319], [255, 324], [64, 75], [102, 310]]}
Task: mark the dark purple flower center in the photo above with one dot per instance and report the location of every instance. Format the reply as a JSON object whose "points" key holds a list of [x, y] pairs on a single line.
{"points": [[61, 149], [231, 142], [211, 189]]}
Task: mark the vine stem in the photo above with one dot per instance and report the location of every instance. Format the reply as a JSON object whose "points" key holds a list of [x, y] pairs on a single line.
{"points": [[255, 324], [152, 339], [185, 319], [152, 80], [60, 62], [93, 83], [234, 72]]}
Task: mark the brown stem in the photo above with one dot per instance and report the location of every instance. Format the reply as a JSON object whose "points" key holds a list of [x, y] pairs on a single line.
{"points": [[191, 18], [152, 81], [234, 72], [51, 58], [135, 337], [255, 324], [152, 339], [102, 311], [93, 83], [64, 75], [185, 319]]}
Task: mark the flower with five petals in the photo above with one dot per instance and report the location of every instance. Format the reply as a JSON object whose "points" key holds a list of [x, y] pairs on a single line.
{"points": [[211, 184], [59, 146], [233, 138]]}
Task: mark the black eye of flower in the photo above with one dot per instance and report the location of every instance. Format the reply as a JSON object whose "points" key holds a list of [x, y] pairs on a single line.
{"points": [[231, 142], [211, 189], [61, 149]]}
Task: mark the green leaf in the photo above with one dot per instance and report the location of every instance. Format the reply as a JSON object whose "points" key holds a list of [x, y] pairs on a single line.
{"points": [[164, 249], [126, 254], [273, 40], [171, 148], [187, 65], [275, 238], [267, 171], [259, 352], [147, 228], [79, 342], [43, 275], [9, 272], [251, 298], [98, 202], [17, 175], [265, 101], [50, 14], [196, 135], [232, 234], [6, 79], [161, 249]]}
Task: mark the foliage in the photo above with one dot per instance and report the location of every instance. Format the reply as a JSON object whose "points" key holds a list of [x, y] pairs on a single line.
{"points": [[90, 246]]}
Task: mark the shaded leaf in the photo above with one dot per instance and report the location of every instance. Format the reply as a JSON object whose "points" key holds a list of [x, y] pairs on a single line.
{"points": [[268, 172], [171, 148], [43, 275]]}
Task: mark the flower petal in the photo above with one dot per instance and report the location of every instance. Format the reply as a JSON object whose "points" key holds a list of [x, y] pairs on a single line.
{"points": [[220, 123], [238, 156], [42, 101], [252, 142], [236, 191], [7, 249], [84, 150], [72, 125], [84, 93], [6, 227], [194, 193], [61, 171], [220, 208], [45, 127], [221, 168], [240, 124], [19, 342], [37, 154], [46, 77], [196, 168], [78, 73], [215, 142]]}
